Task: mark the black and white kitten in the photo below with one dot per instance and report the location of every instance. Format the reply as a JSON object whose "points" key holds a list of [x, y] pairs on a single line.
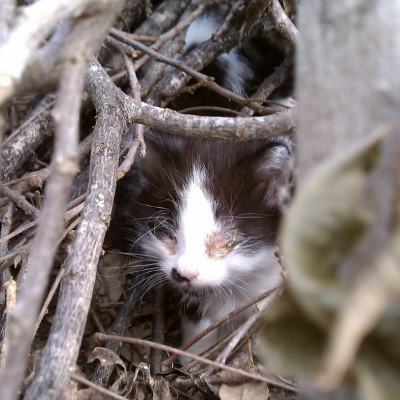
{"points": [[205, 212]]}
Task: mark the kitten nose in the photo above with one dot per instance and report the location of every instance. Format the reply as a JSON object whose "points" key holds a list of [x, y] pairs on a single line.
{"points": [[182, 277]]}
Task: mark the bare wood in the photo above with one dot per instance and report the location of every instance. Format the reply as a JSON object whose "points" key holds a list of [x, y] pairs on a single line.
{"points": [[5, 279], [197, 60], [173, 44], [157, 329], [272, 82], [172, 32], [62, 348], [281, 123], [19, 200], [192, 72], [282, 22], [63, 168], [138, 140], [14, 253]]}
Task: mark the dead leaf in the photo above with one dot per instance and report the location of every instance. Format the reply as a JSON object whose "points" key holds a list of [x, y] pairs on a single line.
{"points": [[322, 326], [161, 390], [246, 391], [106, 357], [111, 277], [254, 12]]}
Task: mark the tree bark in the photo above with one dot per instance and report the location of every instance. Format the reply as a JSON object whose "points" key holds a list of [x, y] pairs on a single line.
{"points": [[348, 81]]}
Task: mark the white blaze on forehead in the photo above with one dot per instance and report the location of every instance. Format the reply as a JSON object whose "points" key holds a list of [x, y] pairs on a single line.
{"points": [[197, 215]]}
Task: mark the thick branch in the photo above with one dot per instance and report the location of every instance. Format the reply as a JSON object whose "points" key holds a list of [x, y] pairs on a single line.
{"points": [[62, 348], [63, 169]]}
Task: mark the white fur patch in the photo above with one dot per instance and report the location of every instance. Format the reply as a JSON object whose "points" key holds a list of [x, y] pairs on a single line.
{"points": [[200, 30], [237, 71]]}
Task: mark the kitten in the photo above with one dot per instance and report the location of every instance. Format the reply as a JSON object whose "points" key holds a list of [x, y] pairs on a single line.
{"points": [[204, 214]]}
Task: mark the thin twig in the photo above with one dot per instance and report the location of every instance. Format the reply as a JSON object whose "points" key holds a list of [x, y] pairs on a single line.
{"points": [[158, 329], [49, 297], [19, 200], [215, 325], [238, 6], [206, 108], [193, 73], [100, 389], [22, 228], [167, 35], [262, 306], [138, 141], [67, 216], [273, 81], [102, 337], [28, 121]]}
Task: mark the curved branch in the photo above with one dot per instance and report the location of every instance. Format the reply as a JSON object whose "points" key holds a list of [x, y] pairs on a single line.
{"points": [[30, 28]]}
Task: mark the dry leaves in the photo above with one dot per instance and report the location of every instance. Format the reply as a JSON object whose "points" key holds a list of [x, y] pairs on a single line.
{"points": [[333, 324], [246, 391]]}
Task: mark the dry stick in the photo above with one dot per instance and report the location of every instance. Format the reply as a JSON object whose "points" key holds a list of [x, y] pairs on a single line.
{"points": [[67, 216], [64, 166], [123, 48], [188, 89], [281, 123], [76, 201], [272, 82], [144, 38], [237, 7], [282, 22], [62, 347], [262, 306], [19, 200], [56, 282], [153, 70], [28, 121], [6, 285], [215, 325], [96, 320], [158, 329], [22, 228], [193, 73], [9, 256], [138, 140], [100, 389], [74, 211], [50, 295], [121, 323], [208, 353], [167, 35], [206, 108], [242, 331], [38, 178], [102, 337]]}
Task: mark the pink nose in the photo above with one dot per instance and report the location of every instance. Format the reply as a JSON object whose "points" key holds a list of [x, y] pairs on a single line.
{"points": [[183, 276]]}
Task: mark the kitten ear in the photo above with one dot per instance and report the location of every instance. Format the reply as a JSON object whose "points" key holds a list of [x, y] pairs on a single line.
{"points": [[276, 171]]}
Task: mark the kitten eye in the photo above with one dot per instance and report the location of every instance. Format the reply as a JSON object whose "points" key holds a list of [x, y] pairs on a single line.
{"points": [[171, 236], [232, 236]]}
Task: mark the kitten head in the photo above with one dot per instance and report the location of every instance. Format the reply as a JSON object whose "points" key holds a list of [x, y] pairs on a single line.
{"points": [[208, 211]]}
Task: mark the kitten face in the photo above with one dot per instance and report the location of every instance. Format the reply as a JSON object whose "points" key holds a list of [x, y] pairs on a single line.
{"points": [[208, 218]]}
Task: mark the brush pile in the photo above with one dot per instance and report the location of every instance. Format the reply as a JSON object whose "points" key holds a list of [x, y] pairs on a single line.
{"points": [[79, 81]]}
